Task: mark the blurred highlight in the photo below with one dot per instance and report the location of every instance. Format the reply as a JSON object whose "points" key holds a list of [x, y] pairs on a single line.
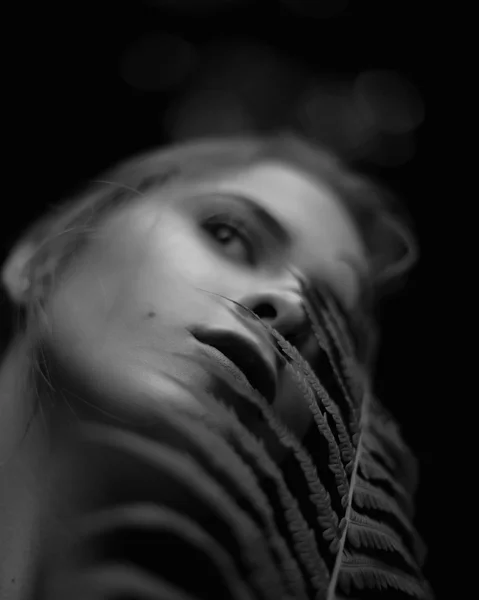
{"points": [[238, 86]]}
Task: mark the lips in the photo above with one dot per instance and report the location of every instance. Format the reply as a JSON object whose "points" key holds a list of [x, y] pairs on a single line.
{"points": [[244, 356]]}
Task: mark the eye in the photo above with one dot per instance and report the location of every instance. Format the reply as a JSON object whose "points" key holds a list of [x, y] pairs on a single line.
{"points": [[232, 236]]}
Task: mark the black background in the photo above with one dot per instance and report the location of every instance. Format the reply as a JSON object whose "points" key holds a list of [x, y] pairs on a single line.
{"points": [[73, 115]]}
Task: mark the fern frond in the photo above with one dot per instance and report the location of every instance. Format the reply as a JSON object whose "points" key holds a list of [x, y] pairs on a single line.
{"points": [[373, 497], [346, 447], [335, 465], [369, 533], [360, 571], [372, 470], [345, 367], [278, 517]]}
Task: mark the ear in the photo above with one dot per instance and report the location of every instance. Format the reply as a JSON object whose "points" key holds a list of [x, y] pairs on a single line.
{"points": [[16, 270], [402, 253]]}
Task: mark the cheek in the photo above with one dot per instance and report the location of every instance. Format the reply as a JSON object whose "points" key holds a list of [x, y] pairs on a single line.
{"points": [[119, 298], [184, 255], [110, 338], [179, 270], [142, 293]]}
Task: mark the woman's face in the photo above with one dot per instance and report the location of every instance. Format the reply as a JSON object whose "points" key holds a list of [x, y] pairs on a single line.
{"points": [[160, 269]]}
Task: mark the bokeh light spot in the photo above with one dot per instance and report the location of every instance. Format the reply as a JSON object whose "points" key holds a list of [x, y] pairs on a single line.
{"points": [[157, 62], [395, 103]]}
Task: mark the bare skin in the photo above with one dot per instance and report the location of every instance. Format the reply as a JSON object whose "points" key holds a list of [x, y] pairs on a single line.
{"points": [[153, 271]]}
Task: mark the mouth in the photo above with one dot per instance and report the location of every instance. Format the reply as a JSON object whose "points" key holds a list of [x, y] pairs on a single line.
{"points": [[243, 356]]}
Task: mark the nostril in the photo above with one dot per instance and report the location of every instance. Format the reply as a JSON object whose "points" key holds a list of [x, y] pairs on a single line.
{"points": [[265, 311]]}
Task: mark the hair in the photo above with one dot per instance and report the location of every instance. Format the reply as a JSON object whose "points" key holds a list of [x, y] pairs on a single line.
{"points": [[383, 223]]}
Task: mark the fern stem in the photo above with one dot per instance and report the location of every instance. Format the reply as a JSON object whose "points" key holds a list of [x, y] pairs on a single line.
{"points": [[337, 566]]}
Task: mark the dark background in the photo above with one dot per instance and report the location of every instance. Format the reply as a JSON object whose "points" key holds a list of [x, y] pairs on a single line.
{"points": [[95, 81]]}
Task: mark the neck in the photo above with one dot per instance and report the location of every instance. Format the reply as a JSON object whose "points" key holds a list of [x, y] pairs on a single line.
{"points": [[23, 472]]}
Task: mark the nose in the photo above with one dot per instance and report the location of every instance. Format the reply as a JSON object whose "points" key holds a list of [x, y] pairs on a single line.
{"points": [[280, 307]]}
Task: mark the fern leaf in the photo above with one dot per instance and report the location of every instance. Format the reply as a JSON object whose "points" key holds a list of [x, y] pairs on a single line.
{"points": [[335, 464], [315, 518], [371, 469], [344, 365], [346, 447], [368, 533], [369, 496], [365, 572]]}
